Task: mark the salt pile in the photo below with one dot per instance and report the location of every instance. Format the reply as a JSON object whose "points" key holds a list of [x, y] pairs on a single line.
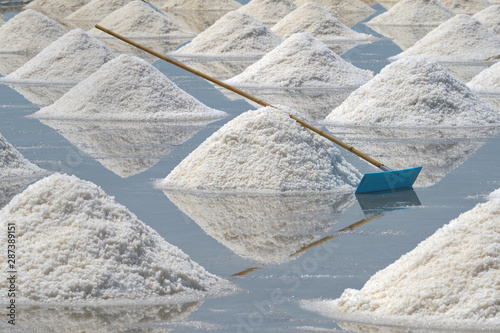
{"points": [[302, 61], [235, 34], [72, 57], [414, 91], [128, 88], [57, 3], [96, 10], [263, 150], [488, 81], [449, 280], [201, 5], [78, 243], [268, 11], [29, 31], [415, 12], [469, 7], [13, 165], [461, 38], [490, 17], [139, 20], [316, 21], [341, 8]]}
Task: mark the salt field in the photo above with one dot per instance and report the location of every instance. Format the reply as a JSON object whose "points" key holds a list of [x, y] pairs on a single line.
{"points": [[145, 199]]}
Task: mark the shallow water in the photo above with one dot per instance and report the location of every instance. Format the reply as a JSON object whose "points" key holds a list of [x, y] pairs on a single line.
{"points": [[278, 250]]}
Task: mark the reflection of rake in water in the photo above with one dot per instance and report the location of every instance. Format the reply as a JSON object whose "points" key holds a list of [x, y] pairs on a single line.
{"points": [[372, 182]]}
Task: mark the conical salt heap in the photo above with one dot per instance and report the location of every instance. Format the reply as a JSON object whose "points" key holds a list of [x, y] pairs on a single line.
{"points": [[263, 151], [226, 5], [414, 12], [14, 165], [469, 7], [29, 31], [72, 57], [233, 35], [97, 250], [139, 20], [461, 38], [488, 81], [128, 88], [268, 11], [450, 280], [318, 22], [342, 9], [302, 61], [490, 17], [97, 10], [412, 92]]}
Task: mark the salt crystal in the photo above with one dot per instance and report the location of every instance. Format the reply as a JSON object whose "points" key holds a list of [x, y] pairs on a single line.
{"points": [[318, 22], [77, 243], [344, 9], [449, 280], [268, 11], [469, 7], [29, 31], [414, 12], [235, 34], [414, 91], [96, 10], [461, 38], [139, 20], [490, 17], [13, 165], [128, 88], [201, 5], [302, 61], [488, 81], [263, 151], [72, 57]]}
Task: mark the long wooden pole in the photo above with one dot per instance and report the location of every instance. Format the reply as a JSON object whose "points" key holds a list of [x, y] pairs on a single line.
{"points": [[246, 95]]}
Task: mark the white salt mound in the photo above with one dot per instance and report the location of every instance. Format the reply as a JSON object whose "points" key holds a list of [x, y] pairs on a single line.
{"points": [[77, 243], [128, 88], [29, 31], [488, 81], [461, 38], [201, 5], [263, 150], [449, 279], [72, 57], [411, 92], [414, 12], [316, 21], [342, 7], [469, 7], [490, 17], [302, 61], [139, 20], [235, 34], [13, 165], [268, 10], [96, 10], [57, 3]]}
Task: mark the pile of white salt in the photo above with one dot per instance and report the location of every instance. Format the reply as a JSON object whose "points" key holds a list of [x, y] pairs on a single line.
{"points": [[318, 22], [469, 7], [128, 88], [487, 81], [263, 151], [461, 38], [235, 34], [96, 10], [29, 31], [449, 280], [226, 5], [79, 244], [139, 20], [412, 92], [13, 165], [490, 17], [301, 61], [342, 9], [72, 57], [414, 12], [268, 11]]}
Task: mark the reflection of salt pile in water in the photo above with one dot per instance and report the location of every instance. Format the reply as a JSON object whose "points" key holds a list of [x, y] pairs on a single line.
{"points": [[414, 12], [469, 7], [488, 81], [461, 38], [265, 228], [139, 20], [128, 88], [449, 280], [412, 92], [41, 94], [96, 10], [126, 148], [233, 35], [195, 21], [29, 31], [268, 11], [72, 57], [348, 12], [490, 17], [221, 69], [263, 150], [98, 249], [404, 36], [200, 5], [301, 61], [318, 22]]}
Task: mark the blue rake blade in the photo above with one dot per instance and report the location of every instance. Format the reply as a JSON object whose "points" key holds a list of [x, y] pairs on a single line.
{"points": [[388, 180]]}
